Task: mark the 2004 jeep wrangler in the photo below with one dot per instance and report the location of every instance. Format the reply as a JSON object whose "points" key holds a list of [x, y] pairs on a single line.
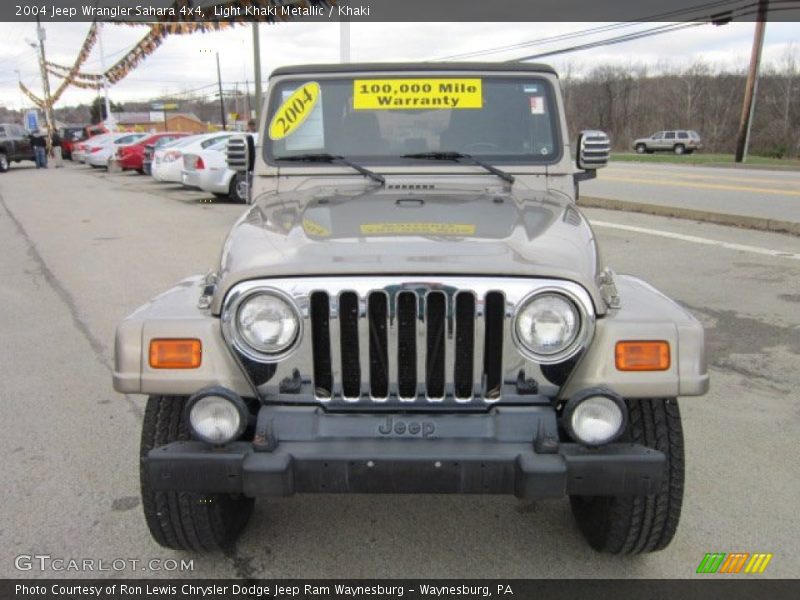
{"points": [[413, 304]]}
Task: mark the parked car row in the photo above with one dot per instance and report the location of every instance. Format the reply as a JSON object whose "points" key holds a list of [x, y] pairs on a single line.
{"points": [[195, 161]]}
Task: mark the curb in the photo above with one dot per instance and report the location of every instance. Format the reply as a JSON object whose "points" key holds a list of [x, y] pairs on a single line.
{"points": [[759, 223]]}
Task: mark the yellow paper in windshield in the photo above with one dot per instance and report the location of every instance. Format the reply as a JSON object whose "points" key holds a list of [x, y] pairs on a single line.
{"points": [[294, 111], [418, 228], [396, 94]]}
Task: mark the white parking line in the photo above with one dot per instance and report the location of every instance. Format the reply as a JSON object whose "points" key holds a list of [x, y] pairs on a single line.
{"points": [[697, 240]]}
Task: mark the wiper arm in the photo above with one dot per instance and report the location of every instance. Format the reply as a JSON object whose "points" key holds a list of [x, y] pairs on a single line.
{"points": [[456, 156], [333, 158]]}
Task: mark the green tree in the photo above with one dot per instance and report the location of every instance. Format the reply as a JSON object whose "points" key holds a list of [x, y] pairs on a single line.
{"points": [[98, 109]]}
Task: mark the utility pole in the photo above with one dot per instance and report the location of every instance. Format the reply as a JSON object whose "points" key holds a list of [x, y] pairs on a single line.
{"points": [[109, 120], [344, 37], [48, 108], [751, 87], [247, 100], [221, 99], [257, 69]]}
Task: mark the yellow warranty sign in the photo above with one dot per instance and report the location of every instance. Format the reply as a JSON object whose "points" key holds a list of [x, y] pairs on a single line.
{"points": [[388, 94], [418, 228], [294, 111]]}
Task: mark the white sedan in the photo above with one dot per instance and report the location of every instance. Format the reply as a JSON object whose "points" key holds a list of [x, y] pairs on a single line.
{"points": [[100, 152], [168, 161], [208, 170], [81, 149]]}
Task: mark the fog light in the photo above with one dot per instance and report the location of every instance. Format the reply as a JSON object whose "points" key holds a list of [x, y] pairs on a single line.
{"points": [[216, 415], [595, 417]]}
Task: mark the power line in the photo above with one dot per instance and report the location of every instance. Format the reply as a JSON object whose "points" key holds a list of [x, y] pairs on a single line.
{"points": [[595, 30], [738, 13]]}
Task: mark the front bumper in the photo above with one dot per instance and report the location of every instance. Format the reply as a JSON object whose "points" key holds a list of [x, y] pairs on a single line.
{"points": [[508, 450]]}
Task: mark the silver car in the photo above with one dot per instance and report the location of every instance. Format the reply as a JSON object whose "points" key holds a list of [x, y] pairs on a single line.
{"points": [[413, 303], [677, 141]]}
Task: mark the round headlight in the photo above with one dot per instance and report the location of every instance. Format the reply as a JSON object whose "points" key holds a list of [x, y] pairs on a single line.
{"points": [[216, 419], [548, 324], [595, 420], [267, 323]]}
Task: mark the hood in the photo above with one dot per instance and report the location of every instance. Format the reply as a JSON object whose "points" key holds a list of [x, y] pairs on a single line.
{"points": [[327, 232]]}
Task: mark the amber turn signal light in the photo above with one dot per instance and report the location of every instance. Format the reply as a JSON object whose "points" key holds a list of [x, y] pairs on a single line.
{"points": [[175, 353], [642, 356]]}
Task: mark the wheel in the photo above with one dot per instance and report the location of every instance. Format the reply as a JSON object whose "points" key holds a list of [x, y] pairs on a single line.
{"points": [[185, 520], [641, 148], [637, 524], [3, 162], [140, 171], [679, 149], [238, 191]]}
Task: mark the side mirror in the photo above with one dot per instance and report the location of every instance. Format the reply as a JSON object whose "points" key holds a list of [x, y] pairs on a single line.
{"points": [[240, 153], [594, 148]]}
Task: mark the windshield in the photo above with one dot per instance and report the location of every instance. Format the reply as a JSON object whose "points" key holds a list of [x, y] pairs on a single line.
{"points": [[377, 120]]}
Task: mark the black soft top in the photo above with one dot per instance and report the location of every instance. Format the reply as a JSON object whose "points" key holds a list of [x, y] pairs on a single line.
{"points": [[418, 66]]}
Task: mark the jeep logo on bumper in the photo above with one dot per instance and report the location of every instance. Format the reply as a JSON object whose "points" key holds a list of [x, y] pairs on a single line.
{"points": [[410, 428]]}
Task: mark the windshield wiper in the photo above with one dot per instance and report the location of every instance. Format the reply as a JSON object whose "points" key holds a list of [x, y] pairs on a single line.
{"points": [[333, 158], [456, 156]]}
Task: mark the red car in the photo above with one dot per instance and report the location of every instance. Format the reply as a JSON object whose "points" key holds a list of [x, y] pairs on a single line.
{"points": [[72, 136], [131, 156]]}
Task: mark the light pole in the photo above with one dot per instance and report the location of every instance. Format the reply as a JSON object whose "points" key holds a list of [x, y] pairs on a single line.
{"points": [[21, 95], [221, 99], [109, 121], [257, 69]]}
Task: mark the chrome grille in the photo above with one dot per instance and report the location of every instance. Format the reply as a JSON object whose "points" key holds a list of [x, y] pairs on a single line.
{"points": [[410, 345], [380, 341]]}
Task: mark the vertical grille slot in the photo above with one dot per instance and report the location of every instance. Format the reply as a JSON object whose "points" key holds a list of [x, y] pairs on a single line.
{"points": [[465, 345], [493, 348], [321, 344], [406, 345], [351, 369], [434, 368], [378, 312]]}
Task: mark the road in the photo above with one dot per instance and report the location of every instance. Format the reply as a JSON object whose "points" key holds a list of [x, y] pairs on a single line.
{"points": [[747, 192], [81, 249]]}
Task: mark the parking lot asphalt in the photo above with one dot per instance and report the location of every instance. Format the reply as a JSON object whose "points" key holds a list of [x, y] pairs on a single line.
{"points": [[82, 248]]}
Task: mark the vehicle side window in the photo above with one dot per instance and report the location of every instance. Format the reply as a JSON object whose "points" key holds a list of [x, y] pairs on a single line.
{"points": [[670, 135], [2, 132], [658, 135], [212, 141], [683, 135]]}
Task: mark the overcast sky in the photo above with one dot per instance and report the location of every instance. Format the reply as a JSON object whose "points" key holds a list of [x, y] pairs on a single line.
{"points": [[186, 62]]}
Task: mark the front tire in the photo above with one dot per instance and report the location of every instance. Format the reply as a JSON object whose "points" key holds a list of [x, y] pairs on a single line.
{"points": [[185, 520], [3, 162], [638, 524], [641, 148]]}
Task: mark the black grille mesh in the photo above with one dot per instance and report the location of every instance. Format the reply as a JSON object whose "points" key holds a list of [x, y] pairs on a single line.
{"points": [[493, 349], [321, 344], [413, 310], [434, 368], [378, 345], [348, 338], [465, 345], [406, 344]]}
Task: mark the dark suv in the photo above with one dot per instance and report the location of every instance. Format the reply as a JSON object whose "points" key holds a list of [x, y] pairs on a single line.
{"points": [[679, 141], [15, 145]]}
